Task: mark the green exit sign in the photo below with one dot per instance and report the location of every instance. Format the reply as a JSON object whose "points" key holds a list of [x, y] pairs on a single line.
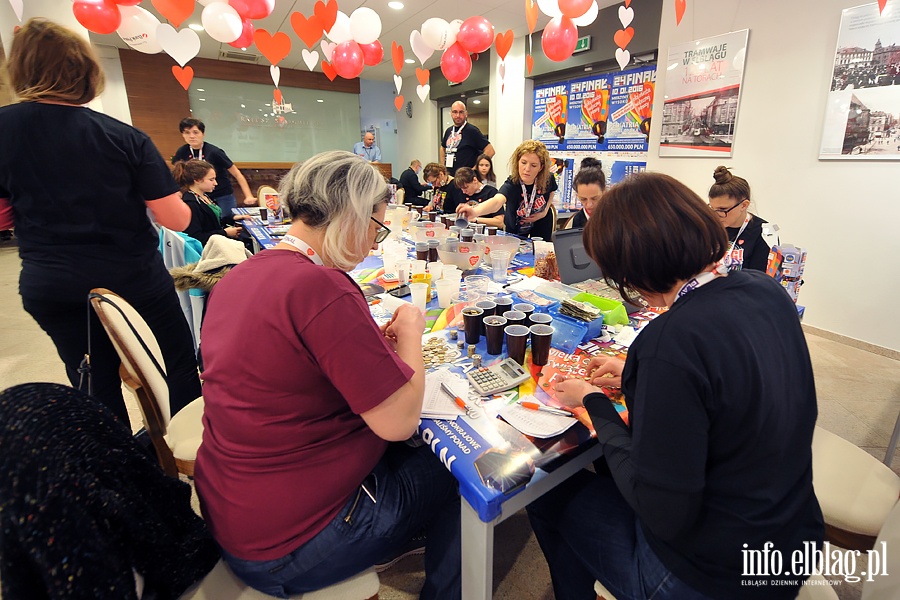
{"points": [[584, 43]]}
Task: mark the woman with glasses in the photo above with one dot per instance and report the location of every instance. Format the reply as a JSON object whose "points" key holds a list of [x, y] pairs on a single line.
{"points": [[303, 477], [714, 467], [729, 198], [589, 185]]}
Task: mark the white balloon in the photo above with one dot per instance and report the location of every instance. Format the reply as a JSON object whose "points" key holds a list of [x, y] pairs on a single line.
{"points": [[340, 32], [208, 2], [365, 25], [455, 24], [591, 15], [436, 33], [222, 22], [138, 29], [549, 8]]}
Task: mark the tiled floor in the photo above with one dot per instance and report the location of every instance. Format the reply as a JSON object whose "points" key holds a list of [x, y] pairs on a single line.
{"points": [[859, 399]]}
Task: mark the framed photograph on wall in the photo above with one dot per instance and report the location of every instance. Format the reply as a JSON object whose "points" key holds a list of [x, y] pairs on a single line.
{"points": [[703, 93], [862, 113]]}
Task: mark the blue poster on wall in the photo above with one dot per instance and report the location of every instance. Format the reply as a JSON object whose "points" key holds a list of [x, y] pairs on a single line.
{"points": [[623, 168], [550, 114]]}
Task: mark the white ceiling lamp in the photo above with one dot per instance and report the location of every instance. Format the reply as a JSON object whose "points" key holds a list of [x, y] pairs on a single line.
{"points": [[395, 5]]}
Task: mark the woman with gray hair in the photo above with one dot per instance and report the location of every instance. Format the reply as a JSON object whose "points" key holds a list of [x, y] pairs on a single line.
{"points": [[298, 477]]}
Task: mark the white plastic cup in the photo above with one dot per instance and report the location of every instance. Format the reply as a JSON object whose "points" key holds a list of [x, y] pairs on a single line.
{"points": [[436, 269], [419, 295], [418, 267], [477, 283], [401, 268], [499, 265], [445, 290]]}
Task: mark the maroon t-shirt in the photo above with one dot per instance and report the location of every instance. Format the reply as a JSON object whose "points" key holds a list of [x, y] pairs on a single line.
{"points": [[292, 358]]}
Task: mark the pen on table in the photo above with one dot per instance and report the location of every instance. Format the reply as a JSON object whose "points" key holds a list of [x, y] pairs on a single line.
{"points": [[459, 401], [548, 409]]}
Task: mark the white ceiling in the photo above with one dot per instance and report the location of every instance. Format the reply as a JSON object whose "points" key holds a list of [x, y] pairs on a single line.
{"points": [[396, 26]]}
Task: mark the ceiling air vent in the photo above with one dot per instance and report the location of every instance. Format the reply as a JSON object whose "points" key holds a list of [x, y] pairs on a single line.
{"points": [[244, 57]]}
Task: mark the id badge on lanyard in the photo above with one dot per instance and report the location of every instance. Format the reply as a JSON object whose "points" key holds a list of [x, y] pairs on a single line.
{"points": [[449, 158]]}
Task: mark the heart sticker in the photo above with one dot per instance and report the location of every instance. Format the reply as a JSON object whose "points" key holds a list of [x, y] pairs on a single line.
{"points": [[273, 47], [504, 43], [275, 72], [181, 45], [422, 75], [327, 49], [326, 13], [309, 30], [623, 37], [422, 50], [626, 16], [183, 75], [174, 10], [529, 63], [397, 56], [473, 260], [398, 102], [329, 71], [429, 233], [623, 57], [310, 58], [422, 91], [398, 82], [680, 5]]}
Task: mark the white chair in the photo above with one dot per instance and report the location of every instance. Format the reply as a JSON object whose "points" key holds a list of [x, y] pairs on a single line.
{"points": [[855, 490], [221, 584], [176, 439], [886, 587]]}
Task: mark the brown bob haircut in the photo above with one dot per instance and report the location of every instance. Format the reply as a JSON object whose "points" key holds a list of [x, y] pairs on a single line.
{"points": [[434, 169], [650, 231], [531, 147], [464, 176], [49, 62]]}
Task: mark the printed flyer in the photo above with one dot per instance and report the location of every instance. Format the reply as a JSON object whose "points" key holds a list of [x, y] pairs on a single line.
{"points": [[703, 92]]}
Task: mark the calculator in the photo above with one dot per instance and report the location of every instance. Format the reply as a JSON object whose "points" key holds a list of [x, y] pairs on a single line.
{"points": [[497, 378]]}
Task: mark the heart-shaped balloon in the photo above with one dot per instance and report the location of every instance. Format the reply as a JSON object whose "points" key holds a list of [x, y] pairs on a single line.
{"points": [[181, 45], [309, 30], [529, 63], [183, 75], [398, 103], [326, 13], [623, 57], [531, 14], [17, 8], [627, 3], [502, 70], [275, 72], [273, 47], [680, 5], [881, 5], [504, 43], [422, 50], [626, 16], [279, 99], [423, 75], [311, 59], [174, 10], [397, 56], [422, 91], [623, 37], [398, 82], [327, 49], [329, 71]]}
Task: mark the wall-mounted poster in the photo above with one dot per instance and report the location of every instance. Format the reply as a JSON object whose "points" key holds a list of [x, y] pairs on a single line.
{"points": [[703, 93], [862, 114], [601, 113]]}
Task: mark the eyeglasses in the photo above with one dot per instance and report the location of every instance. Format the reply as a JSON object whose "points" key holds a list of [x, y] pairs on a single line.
{"points": [[723, 212], [382, 232]]}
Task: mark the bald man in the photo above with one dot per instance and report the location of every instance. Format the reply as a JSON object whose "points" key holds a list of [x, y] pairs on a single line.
{"points": [[462, 143], [367, 149], [409, 181]]}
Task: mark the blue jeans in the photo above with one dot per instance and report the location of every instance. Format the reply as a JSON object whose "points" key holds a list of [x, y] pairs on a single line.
{"points": [[413, 491], [588, 532], [226, 203]]}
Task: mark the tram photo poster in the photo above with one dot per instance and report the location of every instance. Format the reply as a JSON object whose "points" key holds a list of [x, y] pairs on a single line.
{"points": [[862, 113], [703, 93]]}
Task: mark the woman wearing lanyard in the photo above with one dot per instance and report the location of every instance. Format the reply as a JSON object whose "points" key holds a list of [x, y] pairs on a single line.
{"points": [[197, 178], [714, 466], [298, 479], [729, 198], [527, 193]]}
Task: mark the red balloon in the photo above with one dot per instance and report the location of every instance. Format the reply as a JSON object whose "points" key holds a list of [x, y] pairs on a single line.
{"points": [[253, 9], [476, 34], [373, 53], [574, 8], [127, 2], [245, 40], [456, 63], [559, 38], [99, 16], [347, 59]]}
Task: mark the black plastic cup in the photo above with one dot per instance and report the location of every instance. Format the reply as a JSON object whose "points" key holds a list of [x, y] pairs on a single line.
{"points": [[472, 319], [263, 214], [504, 303], [514, 317], [494, 327], [540, 318], [527, 309], [541, 336], [516, 341], [489, 307]]}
